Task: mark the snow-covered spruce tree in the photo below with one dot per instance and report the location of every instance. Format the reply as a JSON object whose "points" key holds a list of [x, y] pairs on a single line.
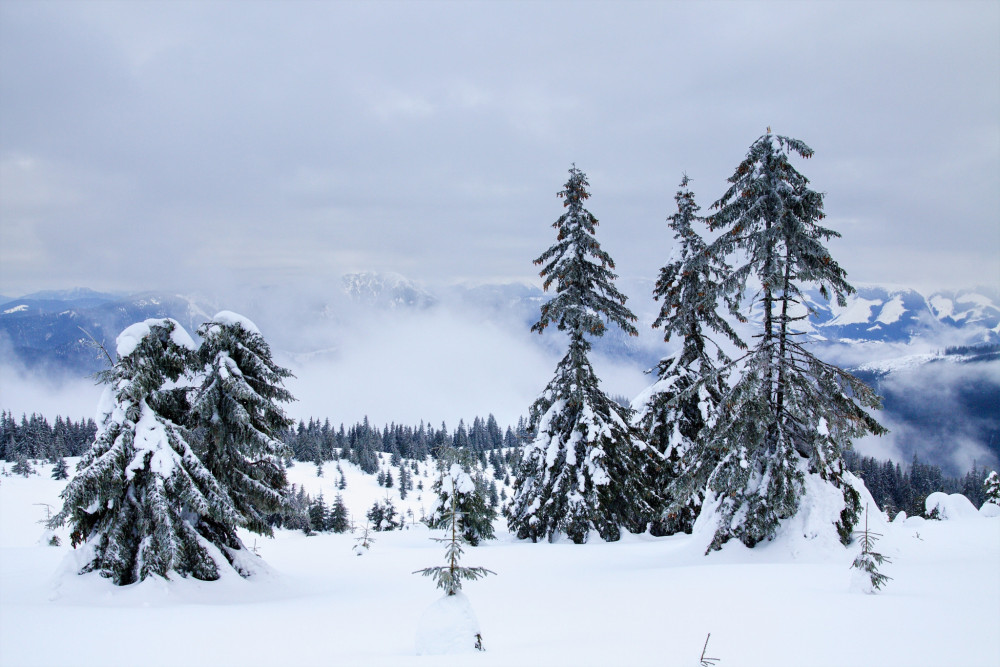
{"points": [[384, 516], [991, 488], [585, 469], [60, 470], [475, 516], [673, 413], [22, 466], [788, 413], [338, 519], [318, 514], [142, 503], [237, 414]]}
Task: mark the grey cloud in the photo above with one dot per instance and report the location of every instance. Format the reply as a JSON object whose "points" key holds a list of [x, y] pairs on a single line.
{"points": [[267, 142]]}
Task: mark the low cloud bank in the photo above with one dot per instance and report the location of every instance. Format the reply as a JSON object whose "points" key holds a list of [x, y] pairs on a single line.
{"points": [[944, 412]]}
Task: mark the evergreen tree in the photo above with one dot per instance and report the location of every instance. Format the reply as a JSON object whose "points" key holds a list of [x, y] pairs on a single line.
{"points": [[868, 560], [318, 515], [991, 488], [789, 413], [60, 470], [22, 466], [237, 412], [404, 482], [384, 516], [475, 516], [364, 541], [142, 502], [585, 469], [338, 519], [673, 413]]}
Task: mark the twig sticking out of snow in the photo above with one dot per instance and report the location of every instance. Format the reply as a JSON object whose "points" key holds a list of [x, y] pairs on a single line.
{"points": [[703, 661]]}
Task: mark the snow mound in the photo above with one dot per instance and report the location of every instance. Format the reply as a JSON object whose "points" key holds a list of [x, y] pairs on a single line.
{"points": [[448, 626], [950, 507], [810, 535], [258, 581], [989, 510]]}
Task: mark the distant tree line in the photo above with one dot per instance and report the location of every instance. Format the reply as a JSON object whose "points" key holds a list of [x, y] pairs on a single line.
{"points": [[981, 351], [897, 489], [35, 438], [894, 487], [319, 441]]}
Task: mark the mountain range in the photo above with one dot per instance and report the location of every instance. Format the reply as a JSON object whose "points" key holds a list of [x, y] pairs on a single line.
{"points": [[933, 356]]}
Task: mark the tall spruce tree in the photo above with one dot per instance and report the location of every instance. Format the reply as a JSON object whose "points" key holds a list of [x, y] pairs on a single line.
{"points": [[585, 469], [673, 413], [142, 502], [789, 413], [237, 413]]}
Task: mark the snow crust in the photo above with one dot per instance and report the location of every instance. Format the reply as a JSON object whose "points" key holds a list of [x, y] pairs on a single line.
{"points": [[950, 507], [448, 626]]}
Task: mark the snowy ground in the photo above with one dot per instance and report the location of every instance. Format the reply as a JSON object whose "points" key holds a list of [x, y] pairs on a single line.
{"points": [[640, 601]]}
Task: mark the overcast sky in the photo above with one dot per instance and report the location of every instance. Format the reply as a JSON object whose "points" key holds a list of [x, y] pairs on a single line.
{"points": [[149, 145]]}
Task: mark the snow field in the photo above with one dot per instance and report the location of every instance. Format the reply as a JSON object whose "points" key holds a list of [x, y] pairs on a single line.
{"points": [[639, 601]]}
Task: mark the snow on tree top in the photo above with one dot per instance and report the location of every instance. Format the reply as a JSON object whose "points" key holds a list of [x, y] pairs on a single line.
{"points": [[229, 318], [461, 479], [130, 338]]}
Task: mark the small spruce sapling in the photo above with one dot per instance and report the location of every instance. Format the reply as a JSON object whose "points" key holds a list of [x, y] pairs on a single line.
{"points": [[364, 541], [868, 560], [449, 577]]}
